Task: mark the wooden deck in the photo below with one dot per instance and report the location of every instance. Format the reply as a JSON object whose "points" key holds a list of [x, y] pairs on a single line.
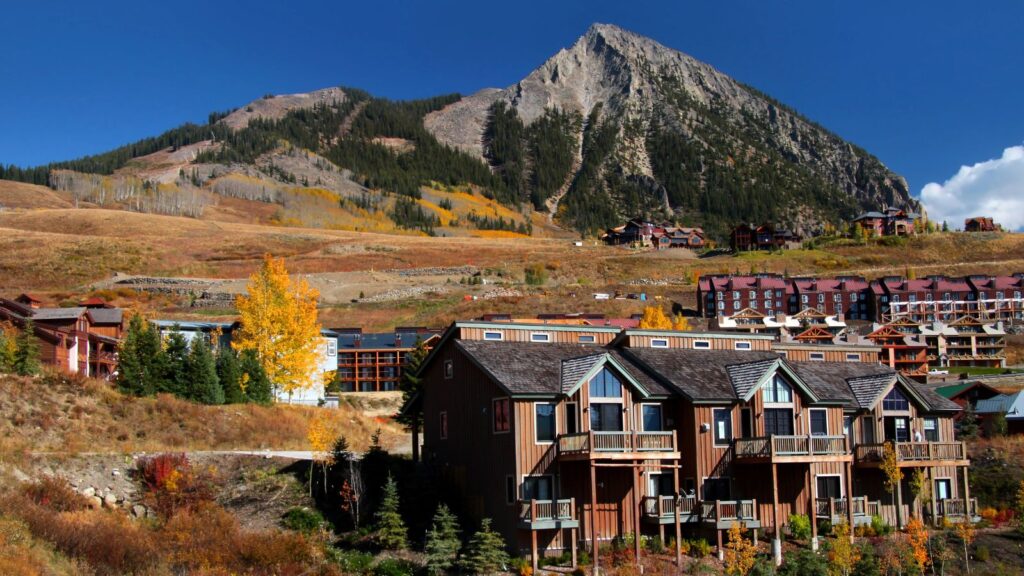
{"points": [[547, 514], [956, 510], [618, 446], [911, 454], [834, 510], [791, 449], [720, 513]]}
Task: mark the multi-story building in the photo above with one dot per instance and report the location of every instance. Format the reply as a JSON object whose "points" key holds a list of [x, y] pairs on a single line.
{"points": [[76, 340], [569, 435], [374, 362], [767, 236], [903, 347], [844, 295], [996, 298], [889, 222], [721, 295], [966, 342]]}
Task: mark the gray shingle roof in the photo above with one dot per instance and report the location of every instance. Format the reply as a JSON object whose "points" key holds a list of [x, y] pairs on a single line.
{"points": [[855, 384], [106, 315], [57, 313], [525, 368], [936, 402], [745, 376], [704, 374]]}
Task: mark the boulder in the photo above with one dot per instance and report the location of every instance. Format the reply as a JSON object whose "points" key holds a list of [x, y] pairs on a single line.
{"points": [[89, 492], [95, 503]]}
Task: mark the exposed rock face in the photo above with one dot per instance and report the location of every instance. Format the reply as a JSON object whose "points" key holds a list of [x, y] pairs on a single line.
{"points": [[644, 85], [275, 107]]}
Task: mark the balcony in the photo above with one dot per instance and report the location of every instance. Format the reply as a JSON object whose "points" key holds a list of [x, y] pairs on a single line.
{"points": [[791, 449], [835, 511], [547, 514], [102, 357], [661, 509], [618, 446], [909, 454], [955, 508], [723, 513]]}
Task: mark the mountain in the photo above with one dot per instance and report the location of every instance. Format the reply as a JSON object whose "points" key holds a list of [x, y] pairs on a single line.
{"points": [[613, 126]]}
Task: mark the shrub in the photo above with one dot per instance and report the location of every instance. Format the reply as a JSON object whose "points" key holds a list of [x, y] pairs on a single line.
{"points": [[982, 553], [654, 545], [803, 563], [55, 494], [172, 484], [442, 542], [485, 552], [302, 519], [354, 562], [391, 531], [700, 548], [394, 567], [536, 274], [800, 526], [879, 527]]}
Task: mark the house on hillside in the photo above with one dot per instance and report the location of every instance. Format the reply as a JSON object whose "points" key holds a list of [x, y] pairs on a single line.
{"points": [[75, 340], [889, 222], [745, 237], [574, 435], [967, 393], [980, 224], [636, 231], [375, 362], [1010, 406]]}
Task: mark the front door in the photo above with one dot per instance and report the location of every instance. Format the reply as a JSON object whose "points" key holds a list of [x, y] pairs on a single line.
{"points": [[778, 421], [943, 489], [829, 487], [897, 429]]}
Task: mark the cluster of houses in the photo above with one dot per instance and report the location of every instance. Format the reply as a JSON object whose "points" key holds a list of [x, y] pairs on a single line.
{"points": [[767, 236], [571, 435], [889, 222], [640, 232]]}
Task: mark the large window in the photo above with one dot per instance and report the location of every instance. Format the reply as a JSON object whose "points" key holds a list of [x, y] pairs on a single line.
{"points": [[819, 422], [723, 426], [502, 421], [651, 417], [605, 385], [544, 419], [895, 401], [778, 421], [931, 429], [538, 488], [606, 417], [777, 391]]}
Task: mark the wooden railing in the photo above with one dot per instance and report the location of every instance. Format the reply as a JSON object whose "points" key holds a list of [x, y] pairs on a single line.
{"points": [[913, 451], [957, 508], [587, 442], [539, 510], [775, 446], [726, 510], [832, 507], [664, 506]]}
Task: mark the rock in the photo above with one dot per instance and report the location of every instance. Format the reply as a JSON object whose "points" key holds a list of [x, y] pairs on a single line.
{"points": [[110, 501], [115, 472], [89, 492], [139, 511], [95, 503]]}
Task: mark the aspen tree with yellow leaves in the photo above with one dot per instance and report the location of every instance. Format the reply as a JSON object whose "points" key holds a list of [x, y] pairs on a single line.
{"points": [[279, 325], [654, 319]]}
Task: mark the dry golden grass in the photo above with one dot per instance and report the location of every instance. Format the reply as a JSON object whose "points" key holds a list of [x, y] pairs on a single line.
{"points": [[19, 195], [59, 414]]}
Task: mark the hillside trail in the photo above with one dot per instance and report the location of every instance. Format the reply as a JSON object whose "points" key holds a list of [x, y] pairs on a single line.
{"points": [[577, 162]]}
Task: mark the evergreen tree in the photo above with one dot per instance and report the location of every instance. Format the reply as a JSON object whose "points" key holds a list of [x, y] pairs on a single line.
{"points": [[140, 368], [391, 531], [175, 380], [255, 383], [201, 380], [411, 414], [26, 351], [485, 553], [945, 226], [967, 427], [7, 347], [442, 543], [229, 374]]}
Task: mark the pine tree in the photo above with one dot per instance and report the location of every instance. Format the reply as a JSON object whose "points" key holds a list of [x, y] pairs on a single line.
{"points": [[140, 359], [26, 351], [442, 543], [411, 416], [229, 374], [255, 384], [201, 374], [175, 378], [967, 427], [7, 348], [485, 552], [391, 531]]}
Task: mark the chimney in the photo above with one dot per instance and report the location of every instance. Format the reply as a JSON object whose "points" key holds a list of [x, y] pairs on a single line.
{"points": [[357, 340], [398, 339]]}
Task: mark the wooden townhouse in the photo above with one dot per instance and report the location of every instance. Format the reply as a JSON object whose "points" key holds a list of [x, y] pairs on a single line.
{"points": [[903, 347], [570, 435], [745, 237], [889, 222]]}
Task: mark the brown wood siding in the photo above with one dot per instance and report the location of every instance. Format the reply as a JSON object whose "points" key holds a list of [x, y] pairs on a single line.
{"points": [[683, 340], [522, 334], [832, 354]]}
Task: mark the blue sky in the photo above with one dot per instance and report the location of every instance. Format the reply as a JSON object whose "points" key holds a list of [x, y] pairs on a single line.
{"points": [[926, 86]]}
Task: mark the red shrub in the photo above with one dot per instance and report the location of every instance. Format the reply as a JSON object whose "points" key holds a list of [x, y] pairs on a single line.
{"points": [[172, 484], [55, 494]]}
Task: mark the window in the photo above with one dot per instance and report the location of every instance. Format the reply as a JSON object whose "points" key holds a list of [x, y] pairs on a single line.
{"points": [[606, 417], [777, 391], [746, 423], [804, 298], [999, 295], [931, 429], [821, 298], [853, 297], [651, 415], [735, 295], [332, 347], [753, 294], [537, 488], [586, 339], [660, 484], [853, 357], [701, 344], [449, 369], [572, 418], [659, 343], [778, 421], [847, 425], [605, 385], [741, 345], [767, 294], [502, 421], [778, 293], [721, 305], [721, 295], [736, 305], [540, 337], [819, 422], [837, 297], [510, 490], [829, 486], [723, 426], [716, 489], [943, 489], [928, 297], [443, 428], [913, 298], [896, 401], [544, 420], [818, 356], [494, 336], [945, 295], [897, 429], [753, 303]]}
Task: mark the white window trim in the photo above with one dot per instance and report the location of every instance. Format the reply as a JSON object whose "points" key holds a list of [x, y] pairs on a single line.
{"points": [[522, 485], [661, 410], [546, 337], [853, 356], [501, 336], [842, 484], [591, 339], [742, 345], [659, 342], [554, 414], [494, 401], [820, 356], [924, 431], [810, 420], [704, 345], [714, 428]]}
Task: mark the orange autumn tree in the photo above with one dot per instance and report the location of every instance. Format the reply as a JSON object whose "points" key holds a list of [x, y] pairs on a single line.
{"points": [[279, 324]]}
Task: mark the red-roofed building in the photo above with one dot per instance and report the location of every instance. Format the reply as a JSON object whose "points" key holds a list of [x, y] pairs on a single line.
{"points": [[722, 295], [980, 224], [843, 295]]}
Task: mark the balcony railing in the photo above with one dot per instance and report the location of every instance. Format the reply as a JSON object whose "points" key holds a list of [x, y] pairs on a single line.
{"points": [[616, 442], [547, 511], [835, 508], [914, 451], [658, 507], [957, 508], [724, 512], [773, 447]]}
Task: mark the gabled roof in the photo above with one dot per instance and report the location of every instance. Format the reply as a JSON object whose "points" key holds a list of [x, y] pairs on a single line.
{"points": [[954, 390], [106, 315], [855, 384], [575, 369], [1000, 404], [809, 314], [44, 314], [815, 334], [703, 375]]}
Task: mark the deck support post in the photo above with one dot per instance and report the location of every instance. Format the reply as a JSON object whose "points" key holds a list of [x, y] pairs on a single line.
{"points": [[675, 508], [967, 496], [721, 550], [777, 542], [849, 500], [533, 550], [572, 533], [637, 471], [593, 519], [814, 507], [931, 490], [899, 505]]}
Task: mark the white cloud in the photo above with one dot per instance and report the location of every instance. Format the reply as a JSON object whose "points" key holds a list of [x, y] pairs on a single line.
{"points": [[993, 188]]}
